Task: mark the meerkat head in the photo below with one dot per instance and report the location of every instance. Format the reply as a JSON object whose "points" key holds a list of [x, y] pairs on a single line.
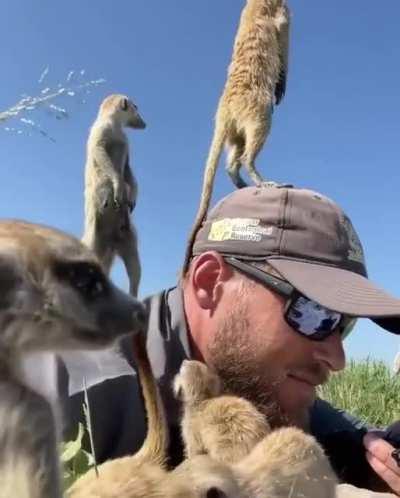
{"points": [[123, 110], [206, 478], [195, 382], [54, 295]]}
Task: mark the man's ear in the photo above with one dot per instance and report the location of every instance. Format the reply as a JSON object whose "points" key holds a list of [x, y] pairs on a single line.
{"points": [[208, 274]]}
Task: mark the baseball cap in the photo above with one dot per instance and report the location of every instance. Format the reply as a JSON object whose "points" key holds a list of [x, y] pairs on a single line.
{"points": [[308, 239]]}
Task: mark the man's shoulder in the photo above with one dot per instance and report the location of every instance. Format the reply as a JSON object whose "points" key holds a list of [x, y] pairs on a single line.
{"points": [[341, 435], [326, 419]]}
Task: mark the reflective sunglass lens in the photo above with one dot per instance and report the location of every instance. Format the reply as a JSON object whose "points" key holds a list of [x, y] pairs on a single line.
{"points": [[311, 318]]}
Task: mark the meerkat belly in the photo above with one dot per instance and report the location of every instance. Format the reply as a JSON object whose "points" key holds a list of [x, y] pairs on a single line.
{"points": [[118, 153]]}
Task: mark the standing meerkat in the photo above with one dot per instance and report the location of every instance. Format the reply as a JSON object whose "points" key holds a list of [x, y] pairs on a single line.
{"points": [[54, 296], [111, 188], [284, 462], [256, 82], [224, 427]]}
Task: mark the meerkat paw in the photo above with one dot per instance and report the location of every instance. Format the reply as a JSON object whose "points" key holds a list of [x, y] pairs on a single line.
{"points": [[119, 197], [240, 183], [117, 204], [196, 382]]}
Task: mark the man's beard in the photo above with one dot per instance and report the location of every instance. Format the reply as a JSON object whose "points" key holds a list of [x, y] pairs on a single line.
{"points": [[233, 355]]}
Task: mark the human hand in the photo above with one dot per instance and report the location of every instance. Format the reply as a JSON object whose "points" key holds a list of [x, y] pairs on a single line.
{"points": [[379, 456]]}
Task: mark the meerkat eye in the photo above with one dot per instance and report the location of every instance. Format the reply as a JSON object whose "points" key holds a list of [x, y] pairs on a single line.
{"points": [[85, 277], [124, 104], [88, 281], [215, 493]]}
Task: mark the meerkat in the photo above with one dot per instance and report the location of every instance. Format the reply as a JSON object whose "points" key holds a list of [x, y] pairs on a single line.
{"points": [[54, 296], [287, 462], [284, 462], [256, 82], [224, 427], [149, 462], [144, 474], [200, 477], [111, 188], [204, 477]]}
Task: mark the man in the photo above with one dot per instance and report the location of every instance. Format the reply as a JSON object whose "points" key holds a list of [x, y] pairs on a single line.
{"points": [[276, 282]]}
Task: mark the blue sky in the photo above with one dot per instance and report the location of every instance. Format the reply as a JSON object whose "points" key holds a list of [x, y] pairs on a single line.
{"points": [[337, 130]]}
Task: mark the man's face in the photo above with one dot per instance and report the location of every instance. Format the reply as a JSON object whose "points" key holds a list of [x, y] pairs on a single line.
{"points": [[259, 356]]}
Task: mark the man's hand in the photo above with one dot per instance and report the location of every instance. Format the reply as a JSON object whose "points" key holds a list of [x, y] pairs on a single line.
{"points": [[379, 456]]}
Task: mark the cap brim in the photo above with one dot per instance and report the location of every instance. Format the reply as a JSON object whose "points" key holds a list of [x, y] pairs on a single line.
{"points": [[342, 291]]}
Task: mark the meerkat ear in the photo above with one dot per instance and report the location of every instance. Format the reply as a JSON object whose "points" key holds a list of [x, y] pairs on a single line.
{"points": [[215, 493], [177, 388], [124, 104]]}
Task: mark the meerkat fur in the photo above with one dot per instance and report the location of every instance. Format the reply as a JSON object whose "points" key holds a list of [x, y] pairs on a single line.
{"points": [[144, 474], [111, 188], [150, 459], [54, 296], [222, 426], [287, 462], [266, 464], [256, 81], [200, 477]]}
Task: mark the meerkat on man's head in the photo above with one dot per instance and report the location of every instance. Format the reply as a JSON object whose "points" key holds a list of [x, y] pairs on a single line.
{"points": [[54, 296], [256, 82], [222, 426], [111, 187]]}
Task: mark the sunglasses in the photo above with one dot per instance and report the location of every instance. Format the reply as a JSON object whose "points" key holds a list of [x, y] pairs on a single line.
{"points": [[304, 315]]}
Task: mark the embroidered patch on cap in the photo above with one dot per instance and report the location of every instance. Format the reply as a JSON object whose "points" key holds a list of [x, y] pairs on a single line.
{"points": [[355, 252], [238, 229]]}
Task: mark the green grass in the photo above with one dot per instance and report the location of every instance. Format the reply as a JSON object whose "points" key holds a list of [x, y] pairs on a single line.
{"points": [[75, 460], [366, 389]]}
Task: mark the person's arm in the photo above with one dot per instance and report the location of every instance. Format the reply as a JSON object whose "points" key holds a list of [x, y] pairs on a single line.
{"points": [[349, 491], [379, 456], [359, 459]]}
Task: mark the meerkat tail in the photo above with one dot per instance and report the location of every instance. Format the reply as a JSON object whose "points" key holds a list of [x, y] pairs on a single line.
{"points": [[155, 446], [282, 24], [208, 180]]}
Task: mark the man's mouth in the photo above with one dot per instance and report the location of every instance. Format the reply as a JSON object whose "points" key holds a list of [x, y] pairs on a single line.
{"points": [[313, 376], [312, 383]]}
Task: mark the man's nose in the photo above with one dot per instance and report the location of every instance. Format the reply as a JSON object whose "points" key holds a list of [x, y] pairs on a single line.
{"points": [[330, 351]]}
